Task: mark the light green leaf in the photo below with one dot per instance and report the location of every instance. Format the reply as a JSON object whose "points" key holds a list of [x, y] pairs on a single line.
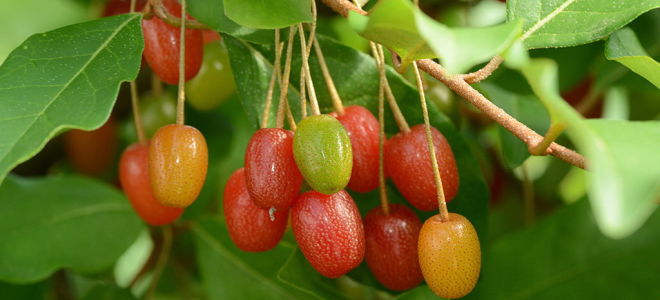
{"points": [[398, 25], [66, 78], [623, 184], [61, 222], [212, 13], [616, 105], [268, 14], [563, 23], [130, 263], [566, 257], [624, 47]]}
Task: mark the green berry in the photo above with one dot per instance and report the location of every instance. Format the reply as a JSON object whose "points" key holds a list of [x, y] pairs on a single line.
{"points": [[215, 82]]}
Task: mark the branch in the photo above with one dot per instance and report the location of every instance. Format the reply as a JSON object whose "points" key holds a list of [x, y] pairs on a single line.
{"points": [[157, 8], [484, 72], [460, 85]]}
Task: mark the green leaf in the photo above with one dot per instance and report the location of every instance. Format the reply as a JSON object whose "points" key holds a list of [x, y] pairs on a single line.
{"points": [[624, 47], [299, 273], [66, 78], [62, 222], [565, 256], [420, 292], [212, 13], [267, 14], [131, 262], [398, 25], [623, 183], [563, 23], [230, 273], [108, 292]]}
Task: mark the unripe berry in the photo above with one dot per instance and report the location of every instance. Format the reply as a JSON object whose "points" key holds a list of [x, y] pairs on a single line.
{"points": [[178, 160], [134, 179], [329, 232], [362, 128], [408, 163], [449, 255], [250, 227]]}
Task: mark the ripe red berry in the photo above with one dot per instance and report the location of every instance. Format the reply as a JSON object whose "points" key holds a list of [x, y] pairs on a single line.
{"points": [[178, 160], [362, 128], [134, 179], [117, 7], [250, 226], [92, 152], [329, 231], [273, 179], [392, 247], [408, 163], [161, 46], [210, 35]]}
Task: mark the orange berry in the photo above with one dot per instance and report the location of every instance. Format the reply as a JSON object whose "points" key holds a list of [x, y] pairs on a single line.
{"points": [[449, 255], [178, 159]]}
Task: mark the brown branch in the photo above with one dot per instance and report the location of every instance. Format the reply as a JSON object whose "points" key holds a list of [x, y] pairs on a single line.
{"points": [[484, 72], [463, 88], [157, 8]]}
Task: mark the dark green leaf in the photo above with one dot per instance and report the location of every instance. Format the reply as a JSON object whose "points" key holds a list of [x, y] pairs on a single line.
{"points": [[108, 292], [66, 78], [212, 13], [420, 292], [562, 23], [623, 47], [565, 256], [298, 273], [61, 222], [268, 14]]}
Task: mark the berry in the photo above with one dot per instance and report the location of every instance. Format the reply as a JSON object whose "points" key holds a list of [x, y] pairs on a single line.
{"points": [[161, 46], [272, 177], [362, 128], [449, 255], [392, 247], [215, 82], [329, 231], [118, 7], [322, 151], [210, 35], [408, 163], [134, 179], [92, 152], [157, 111], [250, 227], [178, 160]]}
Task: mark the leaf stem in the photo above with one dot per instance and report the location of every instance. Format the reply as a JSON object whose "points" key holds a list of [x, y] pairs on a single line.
{"points": [[442, 204], [284, 86], [555, 130], [330, 84], [180, 106], [271, 85], [484, 72], [162, 259]]}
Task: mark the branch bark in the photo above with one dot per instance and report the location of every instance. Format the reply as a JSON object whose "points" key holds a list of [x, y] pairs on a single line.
{"points": [[460, 85]]}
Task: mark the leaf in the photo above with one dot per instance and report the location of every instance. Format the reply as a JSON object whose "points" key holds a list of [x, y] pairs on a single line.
{"points": [[62, 222], [230, 273], [131, 262], [565, 256], [624, 47], [299, 273], [623, 184], [66, 78], [267, 14], [212, 13], [563, 23], [109, 292], [413, 35], [420, 292]]}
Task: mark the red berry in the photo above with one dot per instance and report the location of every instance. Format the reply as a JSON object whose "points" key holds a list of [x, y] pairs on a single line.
{"points": [[134, 179], [161, 46], [118, 7], [273, 179], [210, 35], [362, 128], [92, 152], [329, 231], [250, 226], [392, 247], [408, 163]]}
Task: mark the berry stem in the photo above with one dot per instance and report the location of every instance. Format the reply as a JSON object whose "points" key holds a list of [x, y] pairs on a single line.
{"points": [[379, 55], [284, 86], [330, 84], [162, 259], [384, 203], [180, 106], [271, 85], [442, 204], [555, 130], [156, 85], [137, 119], [308, 76]]}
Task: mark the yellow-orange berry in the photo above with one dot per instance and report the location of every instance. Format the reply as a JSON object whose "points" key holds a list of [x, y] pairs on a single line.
{"points": [[449, 255], [178, 160]]}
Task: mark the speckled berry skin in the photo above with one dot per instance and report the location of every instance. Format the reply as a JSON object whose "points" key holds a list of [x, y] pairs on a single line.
{"points": [[273, 179], [408, 163], [134, 179], [161, 46], [250, 226], [322, 151], [449, 255], [178, 160], [329, 232], [362, 128], [391, 252]]}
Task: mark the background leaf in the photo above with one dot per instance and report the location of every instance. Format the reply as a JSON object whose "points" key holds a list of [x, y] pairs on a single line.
{"points": [[66, 78], [267, 14], [84, 225], [624, 47], [562, 23], [212, 13]]}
